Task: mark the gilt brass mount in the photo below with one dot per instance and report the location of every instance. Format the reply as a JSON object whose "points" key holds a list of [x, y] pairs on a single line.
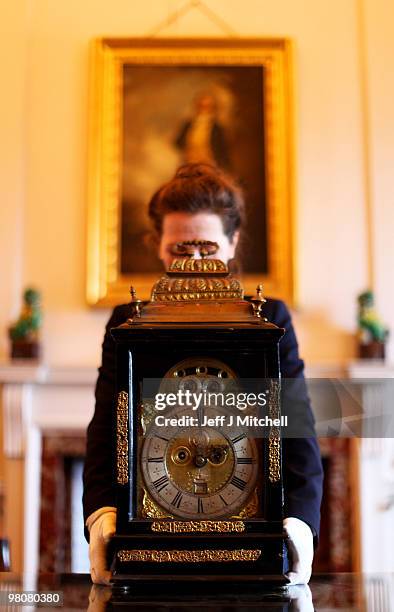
{"points": [[190, 278], [187, 248], [274, 435], [189, 556], [198, 526], [122, 445]]}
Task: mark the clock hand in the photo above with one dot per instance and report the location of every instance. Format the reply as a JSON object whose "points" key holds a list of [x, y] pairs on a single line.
{"points": [[200, 458], [200, 416]]}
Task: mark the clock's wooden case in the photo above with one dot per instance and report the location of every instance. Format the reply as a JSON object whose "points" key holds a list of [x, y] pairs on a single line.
{"points": [[197, 310]]}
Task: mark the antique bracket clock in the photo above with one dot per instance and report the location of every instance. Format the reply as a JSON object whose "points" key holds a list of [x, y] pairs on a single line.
{"points": [[199, 480]]}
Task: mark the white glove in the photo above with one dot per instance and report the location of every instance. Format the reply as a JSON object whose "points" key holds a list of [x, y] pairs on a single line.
{"points": [[100, 595], [300, 545], [301, 598], [101, 525]]}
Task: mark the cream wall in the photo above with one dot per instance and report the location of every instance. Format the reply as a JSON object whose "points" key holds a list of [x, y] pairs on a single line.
{"points": [[12, 156], [379, 27], [344, 153]]}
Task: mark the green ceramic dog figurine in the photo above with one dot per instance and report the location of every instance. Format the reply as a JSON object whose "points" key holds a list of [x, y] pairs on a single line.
{"points": [[372, 332], [24, 334]]}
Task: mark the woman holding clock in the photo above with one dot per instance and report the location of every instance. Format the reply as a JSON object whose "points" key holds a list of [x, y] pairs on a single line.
{"points": [[202, 202]]}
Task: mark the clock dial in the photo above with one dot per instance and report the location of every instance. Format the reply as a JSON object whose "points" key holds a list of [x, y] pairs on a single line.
{"points": [[198, 472]]}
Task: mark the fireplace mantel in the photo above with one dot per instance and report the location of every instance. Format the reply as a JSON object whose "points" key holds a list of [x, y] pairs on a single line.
{"points": [[38, 400], [38, 373]]}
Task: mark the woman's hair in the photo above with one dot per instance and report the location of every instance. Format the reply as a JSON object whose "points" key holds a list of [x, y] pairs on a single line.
{"points": [[199, 188]]}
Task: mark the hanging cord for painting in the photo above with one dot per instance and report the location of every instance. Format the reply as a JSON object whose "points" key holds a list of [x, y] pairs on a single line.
{"points": [[186, 8]]}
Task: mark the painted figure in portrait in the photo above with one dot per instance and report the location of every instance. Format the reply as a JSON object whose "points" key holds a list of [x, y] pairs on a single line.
{"points": [[178, 114]]}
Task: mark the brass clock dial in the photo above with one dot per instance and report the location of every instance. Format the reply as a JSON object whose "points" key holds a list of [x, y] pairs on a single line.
{"points": [[198, 472]]}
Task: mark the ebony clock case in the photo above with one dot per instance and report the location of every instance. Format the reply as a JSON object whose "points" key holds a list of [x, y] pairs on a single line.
{"points": [[149, 350]]}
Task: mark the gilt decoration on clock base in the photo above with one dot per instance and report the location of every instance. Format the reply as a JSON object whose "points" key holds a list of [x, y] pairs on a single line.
{"points": [[199, 489]]}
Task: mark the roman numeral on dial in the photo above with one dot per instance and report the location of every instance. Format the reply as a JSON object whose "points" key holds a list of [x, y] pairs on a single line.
{"points": [[157, 460], [177, 500], [200, 508], [245, 460], [161, 483], [238, 482], [238, 438]]}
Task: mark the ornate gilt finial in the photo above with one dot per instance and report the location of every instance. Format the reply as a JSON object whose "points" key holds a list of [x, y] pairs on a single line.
{"points": [[135, 303], [258, 300], [187, 248]]}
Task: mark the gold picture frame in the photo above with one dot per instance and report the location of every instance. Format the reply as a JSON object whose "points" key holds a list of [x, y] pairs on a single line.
{"points": [[114, 60]]}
